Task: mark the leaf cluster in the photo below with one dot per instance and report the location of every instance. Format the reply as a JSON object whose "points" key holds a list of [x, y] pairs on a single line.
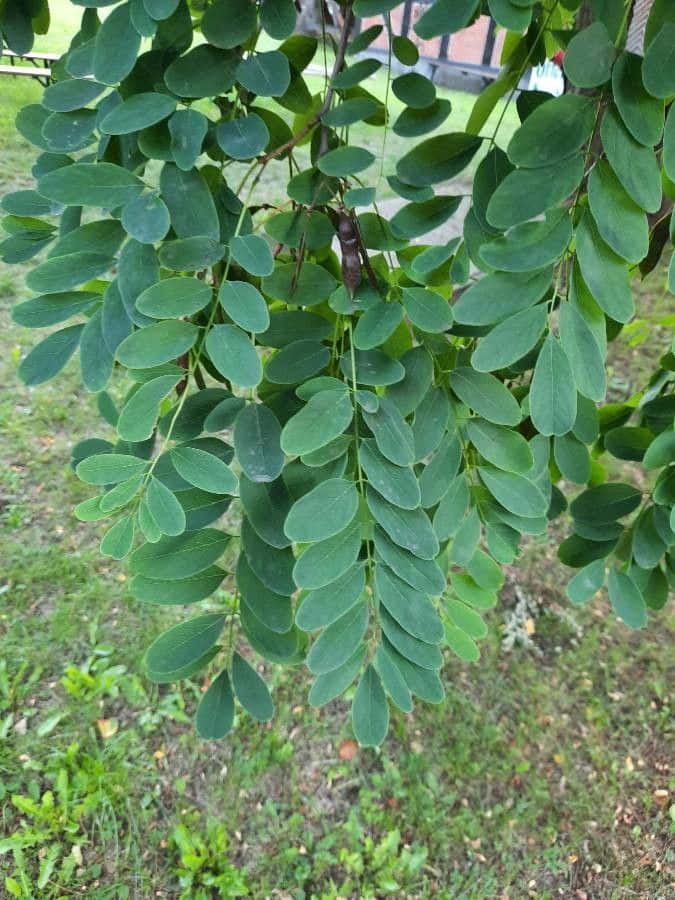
{"points": [[386, 417]]}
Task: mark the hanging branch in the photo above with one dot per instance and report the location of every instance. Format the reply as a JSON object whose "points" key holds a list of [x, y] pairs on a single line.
{"points": [[327, 100]]}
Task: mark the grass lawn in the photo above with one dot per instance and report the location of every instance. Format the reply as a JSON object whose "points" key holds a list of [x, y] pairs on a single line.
{"points": [[545, 774]]}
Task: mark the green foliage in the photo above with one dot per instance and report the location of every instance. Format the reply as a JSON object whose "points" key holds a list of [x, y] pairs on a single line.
{"points": [[202, 864], [388, 438]]}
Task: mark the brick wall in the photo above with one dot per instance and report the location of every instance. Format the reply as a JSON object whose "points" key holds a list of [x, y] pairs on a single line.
{"points": [[464, 46]]}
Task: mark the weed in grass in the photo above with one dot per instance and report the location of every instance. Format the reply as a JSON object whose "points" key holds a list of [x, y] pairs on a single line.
{"points": [[202, 866]]}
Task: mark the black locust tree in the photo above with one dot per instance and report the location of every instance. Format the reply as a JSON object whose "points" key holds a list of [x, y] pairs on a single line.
{"points": [[381, 418]]}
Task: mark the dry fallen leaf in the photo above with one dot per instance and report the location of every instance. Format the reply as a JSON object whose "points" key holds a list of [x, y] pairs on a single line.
{"points": [[348, 750], [660, 797], [106, 727]]}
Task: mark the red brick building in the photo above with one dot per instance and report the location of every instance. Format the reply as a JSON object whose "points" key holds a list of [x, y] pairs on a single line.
{"points": [[480, 44]]}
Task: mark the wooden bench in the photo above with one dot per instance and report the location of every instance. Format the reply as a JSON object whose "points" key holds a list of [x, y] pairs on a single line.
{"points": [[48, 57], [27, 71], [464, 69], [41, 68]]}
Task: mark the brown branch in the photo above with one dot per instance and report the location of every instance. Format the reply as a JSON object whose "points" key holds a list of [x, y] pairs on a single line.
{"points": [[327, 100], [183, 362], [366, 259]]}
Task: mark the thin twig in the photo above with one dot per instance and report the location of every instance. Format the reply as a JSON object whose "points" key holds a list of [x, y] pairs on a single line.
{"points": [[327, 100], [365, 258]]}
